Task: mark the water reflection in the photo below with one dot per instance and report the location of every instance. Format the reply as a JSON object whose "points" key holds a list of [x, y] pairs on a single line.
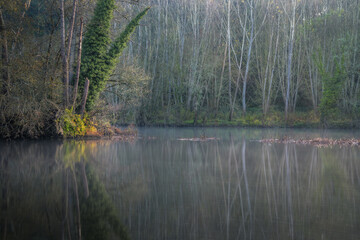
{"points": [[234, 188], [50, 191]]}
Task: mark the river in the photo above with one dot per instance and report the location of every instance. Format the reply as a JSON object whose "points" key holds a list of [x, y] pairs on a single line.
{"points": [[165, 186]]}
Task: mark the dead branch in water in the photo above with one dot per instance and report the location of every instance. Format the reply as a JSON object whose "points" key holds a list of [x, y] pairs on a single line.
{"points": [[198, 139]]}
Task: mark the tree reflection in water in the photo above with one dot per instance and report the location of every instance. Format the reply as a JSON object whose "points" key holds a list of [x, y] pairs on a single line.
{"points": [[234, 189], [167, 189], [50, 191]]}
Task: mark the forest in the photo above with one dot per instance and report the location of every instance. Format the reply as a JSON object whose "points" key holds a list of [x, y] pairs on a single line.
{"points": [[77, 66]]}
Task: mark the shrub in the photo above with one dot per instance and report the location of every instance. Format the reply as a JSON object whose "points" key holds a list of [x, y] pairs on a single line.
{"points": [[71, 124], [331, 89]]}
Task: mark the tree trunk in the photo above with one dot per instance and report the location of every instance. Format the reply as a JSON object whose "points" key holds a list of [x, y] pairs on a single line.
{"points": [[229, 54], [84, 179], [267, 104], [65, 65], [78, 65], [290, 57], [218, 95], [4, 57], [76, 192], [65, 202], [85, 95], [152, 86], [5, 199], [251, 40], [264, 79], [70, 39]]}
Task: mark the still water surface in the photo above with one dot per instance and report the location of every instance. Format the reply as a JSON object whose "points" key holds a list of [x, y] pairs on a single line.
{"points": [[159, 187]]}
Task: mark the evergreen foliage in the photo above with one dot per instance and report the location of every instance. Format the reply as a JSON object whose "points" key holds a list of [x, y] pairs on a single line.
{"points": [[331, 90], [98, 61], [120, 43]]}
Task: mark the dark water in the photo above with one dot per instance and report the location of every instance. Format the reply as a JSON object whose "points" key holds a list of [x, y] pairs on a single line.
{"points": [[161, 188]]}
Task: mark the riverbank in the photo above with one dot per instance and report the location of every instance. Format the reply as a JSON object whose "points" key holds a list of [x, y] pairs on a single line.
{"points": [[72, 126], [275, 119]]}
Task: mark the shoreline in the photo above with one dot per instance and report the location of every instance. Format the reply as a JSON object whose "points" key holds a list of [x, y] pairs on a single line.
{"points": [[230, 125], [123, 132]]}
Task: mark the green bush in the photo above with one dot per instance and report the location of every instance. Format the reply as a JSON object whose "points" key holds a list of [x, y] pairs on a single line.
{"points": [[331, 93], [71, 124]]}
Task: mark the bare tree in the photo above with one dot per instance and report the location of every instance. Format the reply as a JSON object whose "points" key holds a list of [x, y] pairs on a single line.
{"points": [[78, 64], [289, 8], [65, 64]]}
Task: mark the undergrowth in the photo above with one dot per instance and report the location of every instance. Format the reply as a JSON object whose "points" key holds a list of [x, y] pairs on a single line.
{"points": [[253, 118], [70, 124]]}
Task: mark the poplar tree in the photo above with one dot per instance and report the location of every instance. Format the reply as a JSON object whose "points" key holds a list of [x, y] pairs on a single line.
{"points": [[99, 55]]}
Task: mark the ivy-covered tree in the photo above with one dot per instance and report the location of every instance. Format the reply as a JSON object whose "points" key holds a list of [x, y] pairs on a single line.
{"points": [[99, 55]]}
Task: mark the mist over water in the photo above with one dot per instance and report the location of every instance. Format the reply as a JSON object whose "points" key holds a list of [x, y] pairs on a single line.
{"points": [[162, 188]]}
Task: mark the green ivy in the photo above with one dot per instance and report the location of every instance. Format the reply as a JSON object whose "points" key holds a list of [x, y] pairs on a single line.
{"points": [[99, 57]]}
